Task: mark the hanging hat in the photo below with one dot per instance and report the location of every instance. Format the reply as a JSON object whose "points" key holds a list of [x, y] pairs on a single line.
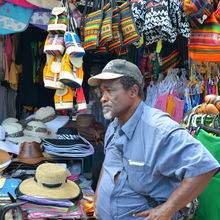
{"points": [[38, 129], [50, 182], [6, 145], [30, 153], [14, 133], [5, 160]]}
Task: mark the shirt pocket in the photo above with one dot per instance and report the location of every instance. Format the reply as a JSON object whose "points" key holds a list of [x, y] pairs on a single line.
{"points": [[139, 177]]}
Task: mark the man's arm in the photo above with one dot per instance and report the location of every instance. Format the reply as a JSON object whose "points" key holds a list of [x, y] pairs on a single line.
{"points": [[96, 192], [188, 190]]}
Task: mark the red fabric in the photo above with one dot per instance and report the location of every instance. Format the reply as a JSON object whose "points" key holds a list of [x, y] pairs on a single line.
{"points": [[23, 3]]}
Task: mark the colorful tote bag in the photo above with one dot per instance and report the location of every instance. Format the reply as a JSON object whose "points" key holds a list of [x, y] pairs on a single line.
{"points": [[92, 28], [14, 18], [197, 10], [128, 27], [106, 28], [204, 42], [116, 41]]}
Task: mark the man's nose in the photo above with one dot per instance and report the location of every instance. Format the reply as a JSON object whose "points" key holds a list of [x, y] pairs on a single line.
{"points": [[104, 98]]}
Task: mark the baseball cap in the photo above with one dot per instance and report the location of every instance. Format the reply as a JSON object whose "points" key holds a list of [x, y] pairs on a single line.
{"points": [[116, 69]]}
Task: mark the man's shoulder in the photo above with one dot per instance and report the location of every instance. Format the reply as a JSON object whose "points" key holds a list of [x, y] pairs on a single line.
{"points": [[156, 118]]}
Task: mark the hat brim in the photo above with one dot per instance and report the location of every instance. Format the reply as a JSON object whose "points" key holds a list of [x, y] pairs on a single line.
{"points": [[9, 147], [20, 140], [68, 190], [50, 134], [95, 80]]}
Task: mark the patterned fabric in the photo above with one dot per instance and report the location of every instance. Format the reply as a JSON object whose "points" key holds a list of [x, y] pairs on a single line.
{"points": [[116, 41], [204, 43], [197, 10], [106, 28], [14, 18], [91, 30], [160, 20], [58, 21], [128, 27]]}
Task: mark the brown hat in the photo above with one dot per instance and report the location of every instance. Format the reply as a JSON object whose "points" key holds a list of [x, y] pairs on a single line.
{"points": [[30, 153], [5, 160]]}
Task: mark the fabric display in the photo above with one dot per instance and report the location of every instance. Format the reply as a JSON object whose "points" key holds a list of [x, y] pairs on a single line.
{"points": [[14, 18], [108, 27], [63, 70], [68, 144], [204, 42], [160, 20], [205, 128], [22, 3], [197, 11]]}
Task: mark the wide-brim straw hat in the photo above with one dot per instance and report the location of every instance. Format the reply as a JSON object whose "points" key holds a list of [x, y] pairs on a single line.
{"points": [[50, 182]]}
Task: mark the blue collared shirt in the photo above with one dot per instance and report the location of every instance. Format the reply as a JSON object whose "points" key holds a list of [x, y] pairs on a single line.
{"points": [[153, 154]]}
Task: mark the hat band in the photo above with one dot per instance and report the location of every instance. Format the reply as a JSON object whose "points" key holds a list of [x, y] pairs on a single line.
{"points": [[14, 135], [49, 118], [50, 185], [67, 137], [31, 128]]}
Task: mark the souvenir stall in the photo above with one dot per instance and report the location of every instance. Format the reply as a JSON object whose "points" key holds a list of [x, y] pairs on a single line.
{"points": [[52, 126]]}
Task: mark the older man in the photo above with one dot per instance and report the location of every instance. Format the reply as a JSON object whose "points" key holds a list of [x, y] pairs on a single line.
{"points": [[152, 167]]}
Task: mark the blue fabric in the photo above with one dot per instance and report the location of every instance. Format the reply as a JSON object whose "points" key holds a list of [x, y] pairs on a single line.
{"points": [[157, 154], [14, 18]]}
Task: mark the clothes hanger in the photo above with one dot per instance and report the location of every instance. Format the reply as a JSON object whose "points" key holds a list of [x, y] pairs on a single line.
{"points": [[194, 82]]}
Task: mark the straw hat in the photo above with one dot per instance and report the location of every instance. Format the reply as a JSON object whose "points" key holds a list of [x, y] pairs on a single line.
{"points": [[14, 133], [50, 182], [5, 160], [30, 153], [38, 129]]}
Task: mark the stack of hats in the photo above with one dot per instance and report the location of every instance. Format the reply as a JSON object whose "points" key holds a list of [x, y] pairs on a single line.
{"points": [[68, 144], [28, 159], [50, 187], [47, 115]]}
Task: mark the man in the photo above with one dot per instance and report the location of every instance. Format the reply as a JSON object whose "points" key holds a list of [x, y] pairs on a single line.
{"points": [[152, 166]]}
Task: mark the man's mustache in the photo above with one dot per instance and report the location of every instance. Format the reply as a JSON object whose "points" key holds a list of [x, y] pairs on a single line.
{"points": [[106, 105]]}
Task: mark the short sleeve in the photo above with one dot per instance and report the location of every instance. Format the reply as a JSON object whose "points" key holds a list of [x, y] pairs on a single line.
{"points": [[183, 156]]}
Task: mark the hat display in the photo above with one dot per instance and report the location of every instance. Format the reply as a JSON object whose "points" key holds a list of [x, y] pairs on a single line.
{"points": [[6, 145], [84, 120], [38, 129], [14, 133], [5, 160], [68, 144], [50, 182], [9, 120], [30, 153], [116, 69], [47, 115]]}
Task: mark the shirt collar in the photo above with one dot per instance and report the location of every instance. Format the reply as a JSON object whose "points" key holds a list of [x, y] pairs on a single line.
{"points": [[129, 127]]}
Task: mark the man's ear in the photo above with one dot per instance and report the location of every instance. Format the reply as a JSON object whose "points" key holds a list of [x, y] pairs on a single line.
{"points": [[134, 90]]}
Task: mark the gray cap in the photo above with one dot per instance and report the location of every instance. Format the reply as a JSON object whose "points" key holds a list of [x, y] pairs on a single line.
{"points": [[116, 69]]}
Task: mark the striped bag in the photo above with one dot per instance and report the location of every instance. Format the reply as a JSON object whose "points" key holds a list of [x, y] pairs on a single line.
{"points": [[91, 29], [204, 42], [128, 27], [197, 10], [58, 21], [116, 41], [106, 28]]}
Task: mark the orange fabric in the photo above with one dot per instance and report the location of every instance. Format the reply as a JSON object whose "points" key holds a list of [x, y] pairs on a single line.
{"points": [[170, 105]]}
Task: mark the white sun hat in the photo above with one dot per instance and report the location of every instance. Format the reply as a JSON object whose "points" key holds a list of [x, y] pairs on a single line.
{"points": [[38, 129], [14, 133]]}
